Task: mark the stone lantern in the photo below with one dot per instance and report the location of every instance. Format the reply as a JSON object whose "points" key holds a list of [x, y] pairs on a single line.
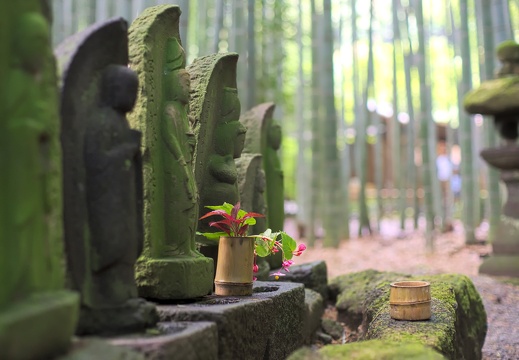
{"points": [[499, 98]]}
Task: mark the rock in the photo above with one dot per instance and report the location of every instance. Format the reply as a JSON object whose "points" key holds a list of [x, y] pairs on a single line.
{"points": [[456, 329], [313, 275], [378, 349], [349, 292], [314, 311], [324, 338], [332, 328]]}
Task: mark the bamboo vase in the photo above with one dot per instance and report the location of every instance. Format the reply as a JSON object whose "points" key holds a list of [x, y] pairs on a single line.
{"points": [[234, 267], [410, 300]]}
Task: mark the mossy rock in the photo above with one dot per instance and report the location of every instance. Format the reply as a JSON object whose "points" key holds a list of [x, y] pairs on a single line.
{"points": [[370, 350], [349, 293], [456, 329]]}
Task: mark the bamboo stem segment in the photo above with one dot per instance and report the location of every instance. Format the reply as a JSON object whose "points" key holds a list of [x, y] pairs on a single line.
{"points": [[234, 268]]}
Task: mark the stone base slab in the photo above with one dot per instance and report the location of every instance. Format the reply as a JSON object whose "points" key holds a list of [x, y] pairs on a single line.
{"points": [[39, 327], [89, 349], [175, 278], [175, 340], [266, 325]]}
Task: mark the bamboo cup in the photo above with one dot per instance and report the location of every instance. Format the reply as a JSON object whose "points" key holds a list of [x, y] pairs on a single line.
{"points": [[410, 300], [234, 267]]}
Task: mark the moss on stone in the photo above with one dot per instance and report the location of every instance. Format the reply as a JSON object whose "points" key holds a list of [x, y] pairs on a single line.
{"points": [[379, 350], [494, 97], [457, 327], [349, 292], [508, 50]]}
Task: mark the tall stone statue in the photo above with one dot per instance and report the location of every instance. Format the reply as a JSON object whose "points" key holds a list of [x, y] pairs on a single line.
{"points": [[264, 137], [32, 295], [215, 109], [170, 266], [103, 179]]}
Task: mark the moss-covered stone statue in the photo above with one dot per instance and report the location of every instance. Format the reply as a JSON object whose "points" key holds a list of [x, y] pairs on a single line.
{"points": [[264, 137], [498, 98], [251, 185], [215, 109], [170, 266], [103, 179], [37, 316]]}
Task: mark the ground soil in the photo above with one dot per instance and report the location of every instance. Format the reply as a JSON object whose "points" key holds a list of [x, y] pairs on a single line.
{"points": [[404, 251]]}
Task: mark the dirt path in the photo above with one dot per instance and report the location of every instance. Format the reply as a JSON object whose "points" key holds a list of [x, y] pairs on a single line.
{"points": [[405, 252]]}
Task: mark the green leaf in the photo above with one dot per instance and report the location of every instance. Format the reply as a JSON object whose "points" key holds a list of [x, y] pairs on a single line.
{"points": [[250, 221], [261, 248], [289, 245], [212, 236]]}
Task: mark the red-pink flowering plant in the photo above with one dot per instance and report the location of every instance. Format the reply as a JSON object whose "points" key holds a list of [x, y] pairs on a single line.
{"points": [[236, 222]]}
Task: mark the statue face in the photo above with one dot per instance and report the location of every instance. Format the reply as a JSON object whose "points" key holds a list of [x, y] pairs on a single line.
{"points": [[184, 86], [31, 41], [239, 141]]}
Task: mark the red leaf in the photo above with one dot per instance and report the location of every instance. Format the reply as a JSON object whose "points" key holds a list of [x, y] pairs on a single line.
{"points": [[214, 212], [235, 210]]}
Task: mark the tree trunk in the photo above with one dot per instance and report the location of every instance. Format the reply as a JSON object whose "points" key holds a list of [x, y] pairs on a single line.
{"points": [[425, 118]]}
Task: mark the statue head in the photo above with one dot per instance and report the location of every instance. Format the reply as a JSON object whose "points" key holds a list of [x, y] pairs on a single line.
{"points": [[30, 41], [119, 86], [230, 106], [274, 136], [508, 55]]}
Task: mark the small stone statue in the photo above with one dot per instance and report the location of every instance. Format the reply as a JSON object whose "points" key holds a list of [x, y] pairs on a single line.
{"points": [[112, 160], [103, 180]]}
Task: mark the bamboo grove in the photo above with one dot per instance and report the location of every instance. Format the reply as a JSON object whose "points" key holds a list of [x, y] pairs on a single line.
{"points": [[366, 92]]}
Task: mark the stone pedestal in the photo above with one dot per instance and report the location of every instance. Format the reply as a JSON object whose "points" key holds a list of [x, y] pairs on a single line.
{"points": [[504, 260]]}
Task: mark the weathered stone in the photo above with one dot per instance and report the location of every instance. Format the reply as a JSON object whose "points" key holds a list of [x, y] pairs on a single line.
{"points": [[333, 328], [349, 293], [313, 275], [103, 221], [266, 325], [176, 340], [215, 110], [264, 137], [377, 349], [456, 329], [251, 185], [314, 311], [88, 349], [32, 299], [494, 97], [170, 266]]}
